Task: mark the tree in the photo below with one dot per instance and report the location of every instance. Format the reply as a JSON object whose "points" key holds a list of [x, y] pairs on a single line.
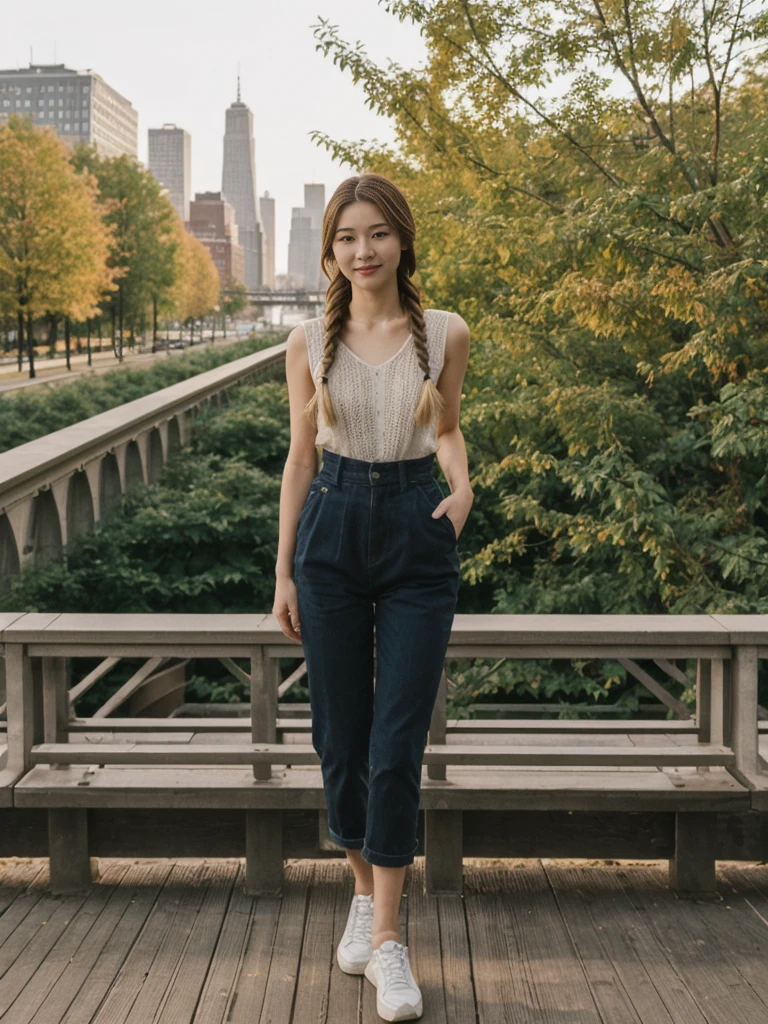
{"points": [[54, 244], [589, 185], [146, 239], [232, 300]]}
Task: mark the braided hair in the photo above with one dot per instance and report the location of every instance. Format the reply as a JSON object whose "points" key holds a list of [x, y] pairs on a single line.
{"points": [[374, 188]]}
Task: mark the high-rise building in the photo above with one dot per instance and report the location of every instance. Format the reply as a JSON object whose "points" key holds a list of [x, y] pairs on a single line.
{"points": [[78, 105], [239, 187], [267, 211], [170, 161], [305, 240], [212, 220]]}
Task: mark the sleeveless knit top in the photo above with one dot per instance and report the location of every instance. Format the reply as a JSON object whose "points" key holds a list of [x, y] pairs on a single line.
{"points": [[375, 404]]}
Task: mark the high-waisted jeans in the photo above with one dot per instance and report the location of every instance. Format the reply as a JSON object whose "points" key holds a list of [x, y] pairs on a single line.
{"points": [[369, 557]]}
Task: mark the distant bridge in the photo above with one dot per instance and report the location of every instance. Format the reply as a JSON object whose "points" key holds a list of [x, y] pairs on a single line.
{"points": [[285, 297]]}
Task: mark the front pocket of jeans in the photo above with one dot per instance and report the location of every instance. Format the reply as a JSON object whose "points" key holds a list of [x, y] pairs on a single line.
{"points": [[432, 496], [309, 501]]}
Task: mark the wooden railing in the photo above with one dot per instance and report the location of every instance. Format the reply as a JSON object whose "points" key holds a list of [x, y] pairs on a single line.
{"points": [[46, 753]]}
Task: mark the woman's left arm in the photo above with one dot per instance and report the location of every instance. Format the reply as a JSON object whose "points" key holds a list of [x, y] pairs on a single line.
{"points": [[452, 452]]}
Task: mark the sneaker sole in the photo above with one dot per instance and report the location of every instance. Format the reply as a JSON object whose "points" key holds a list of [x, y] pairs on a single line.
{"points": [[401, 1013], [393, 1013]]}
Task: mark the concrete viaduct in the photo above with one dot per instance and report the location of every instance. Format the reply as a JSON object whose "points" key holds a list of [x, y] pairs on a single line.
{"points": [[54, 488]]}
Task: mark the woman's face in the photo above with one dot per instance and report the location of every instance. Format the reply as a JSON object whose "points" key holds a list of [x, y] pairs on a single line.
{"points": [[364, 239]]}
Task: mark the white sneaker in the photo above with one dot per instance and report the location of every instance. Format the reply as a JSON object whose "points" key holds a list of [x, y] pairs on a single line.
{"points": [[354, 950], [398, 997]]}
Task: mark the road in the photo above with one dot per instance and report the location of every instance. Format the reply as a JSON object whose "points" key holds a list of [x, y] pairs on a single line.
{"points": [[54, 371]]}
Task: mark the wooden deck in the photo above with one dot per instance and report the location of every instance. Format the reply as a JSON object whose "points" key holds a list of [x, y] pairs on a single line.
{"points": [[555, 942]]}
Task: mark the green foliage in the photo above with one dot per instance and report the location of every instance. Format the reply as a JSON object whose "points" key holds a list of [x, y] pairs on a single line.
{"points": [[603, 233], [202, 541]]}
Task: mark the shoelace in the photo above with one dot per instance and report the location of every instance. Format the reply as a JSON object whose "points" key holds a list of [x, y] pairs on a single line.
{"points": [[361, 920], [394, 965]]}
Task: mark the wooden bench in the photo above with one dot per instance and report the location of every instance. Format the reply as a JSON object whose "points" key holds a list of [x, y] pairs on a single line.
{"points": [[510, 768]]}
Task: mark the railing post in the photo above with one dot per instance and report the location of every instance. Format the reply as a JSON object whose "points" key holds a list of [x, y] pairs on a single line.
{"points": [[55, 703], [443, 829], [438, 726], [717, 701], [744, 734], [263, 705], [263, 826], [704, 699], [710, 679], [20, 710]]}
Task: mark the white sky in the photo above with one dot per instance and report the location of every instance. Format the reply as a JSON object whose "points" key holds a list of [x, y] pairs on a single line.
{"points": [[178, 63]]}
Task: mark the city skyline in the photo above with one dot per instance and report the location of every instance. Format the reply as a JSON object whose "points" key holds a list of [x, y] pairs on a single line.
{"points": [[291, 89]]}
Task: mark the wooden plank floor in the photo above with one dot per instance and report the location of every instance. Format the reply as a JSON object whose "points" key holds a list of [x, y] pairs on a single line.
{"points": [[534, 942]]}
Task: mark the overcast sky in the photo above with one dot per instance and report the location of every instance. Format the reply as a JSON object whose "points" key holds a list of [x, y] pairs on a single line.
{"points": [[178, 63]]}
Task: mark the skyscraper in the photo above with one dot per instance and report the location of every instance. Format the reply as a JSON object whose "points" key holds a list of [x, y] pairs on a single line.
{"points": [[238, 187], [170, 161], [305, 239], [78, 105], [267, 211]]}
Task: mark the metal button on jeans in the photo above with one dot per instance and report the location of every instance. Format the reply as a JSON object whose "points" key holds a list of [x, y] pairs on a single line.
{"points": [[375, 475]]}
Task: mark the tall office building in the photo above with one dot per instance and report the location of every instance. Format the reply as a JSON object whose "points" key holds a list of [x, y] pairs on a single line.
{"points": [[305, 240], [267, 211], [78, 105], [239, 187], [170, 161], [212, 220]]}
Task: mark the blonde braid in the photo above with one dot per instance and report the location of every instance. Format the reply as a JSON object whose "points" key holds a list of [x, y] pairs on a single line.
{"points": [[337, 299], [431, 403]]}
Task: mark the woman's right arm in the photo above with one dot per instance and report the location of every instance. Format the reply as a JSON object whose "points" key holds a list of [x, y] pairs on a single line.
{"points": [[300, 469]]}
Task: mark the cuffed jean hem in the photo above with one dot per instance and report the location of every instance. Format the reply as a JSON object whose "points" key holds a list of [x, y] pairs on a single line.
{"points": [[386, 860], [348, 844]]}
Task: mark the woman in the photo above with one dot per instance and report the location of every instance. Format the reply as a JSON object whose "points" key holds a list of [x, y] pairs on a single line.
{"points": [[370, 543]]}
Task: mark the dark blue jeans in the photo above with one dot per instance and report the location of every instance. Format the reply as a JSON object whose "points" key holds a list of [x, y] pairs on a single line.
{"points": [[370, 560]]}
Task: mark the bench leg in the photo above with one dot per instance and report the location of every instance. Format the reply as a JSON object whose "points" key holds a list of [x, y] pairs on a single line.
{"points": [[443, 852], [692, 871], [263, 852], [69, 863]]}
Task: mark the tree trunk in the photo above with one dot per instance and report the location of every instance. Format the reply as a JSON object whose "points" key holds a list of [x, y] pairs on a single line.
{"points": [[67, 343], [31, 346], [53, 333], [120, 326], [88, 341], [20, 340]]}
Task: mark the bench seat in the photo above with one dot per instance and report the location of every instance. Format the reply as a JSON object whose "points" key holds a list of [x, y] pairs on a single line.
{"points": [[467, 788], [147, 754]]}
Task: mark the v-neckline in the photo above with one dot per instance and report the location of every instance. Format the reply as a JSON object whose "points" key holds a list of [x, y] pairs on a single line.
{"points": [[375, 366]]}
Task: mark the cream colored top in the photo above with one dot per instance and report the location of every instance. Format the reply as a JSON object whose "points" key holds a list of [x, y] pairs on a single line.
{"points": [[374, 404]]}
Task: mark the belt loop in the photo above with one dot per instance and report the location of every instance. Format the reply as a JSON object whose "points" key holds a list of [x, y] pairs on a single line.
{"points": [[337, 470], [403, 475]]}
